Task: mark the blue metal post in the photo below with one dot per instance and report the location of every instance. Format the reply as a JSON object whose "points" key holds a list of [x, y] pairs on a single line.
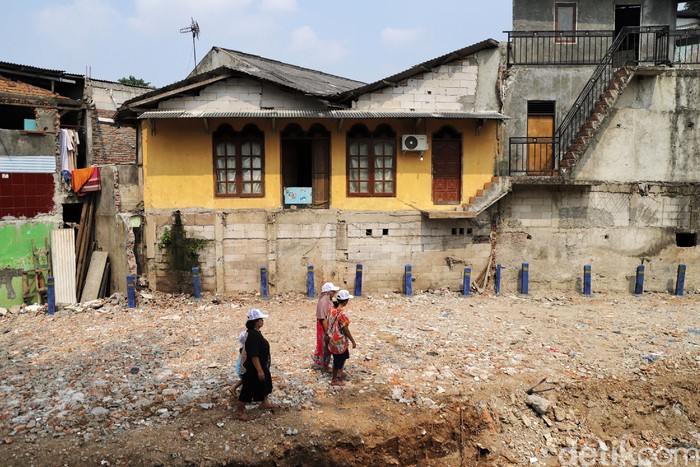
{"points": [[51, 294], [587, 279], [408, 281], [196, 282], [639, 284], [310, 281], [525, 278], [680, 279], [130, 292], [358, 281], [497, 282], [263, 282], [466, 282]]}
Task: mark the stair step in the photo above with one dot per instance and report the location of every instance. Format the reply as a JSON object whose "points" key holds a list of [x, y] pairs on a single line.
{"points": [[487, 186], [495, 179], [472, 200]]}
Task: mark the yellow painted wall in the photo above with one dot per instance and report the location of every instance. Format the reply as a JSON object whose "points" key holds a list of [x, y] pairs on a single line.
{"points": [[178, 166]]}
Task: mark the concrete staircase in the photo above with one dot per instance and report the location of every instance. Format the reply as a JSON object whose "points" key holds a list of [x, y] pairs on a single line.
{"points": [[485, 197], [602, 109]]}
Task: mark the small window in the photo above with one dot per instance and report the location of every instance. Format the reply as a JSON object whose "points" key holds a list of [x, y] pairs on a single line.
{"points": [[239, 162], [565, 22], [371, 161]]}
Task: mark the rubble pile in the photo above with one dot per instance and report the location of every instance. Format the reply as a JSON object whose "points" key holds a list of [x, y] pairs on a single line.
{"points": [[537, 369]]}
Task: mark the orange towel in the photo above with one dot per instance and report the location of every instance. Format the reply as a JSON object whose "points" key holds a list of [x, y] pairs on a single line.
{"points": [[80, 176]]}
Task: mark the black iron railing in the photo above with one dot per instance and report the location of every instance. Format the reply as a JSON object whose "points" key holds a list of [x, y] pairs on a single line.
{"points": [[534, 156], [686, 46], [558, 47]]}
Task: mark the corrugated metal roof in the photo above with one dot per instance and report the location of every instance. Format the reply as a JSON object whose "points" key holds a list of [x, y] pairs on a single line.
{"points": [[364, 114], [28, 164], [313, 82]]}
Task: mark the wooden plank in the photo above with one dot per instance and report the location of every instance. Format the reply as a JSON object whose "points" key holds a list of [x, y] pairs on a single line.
{"points": [[96, 270]]}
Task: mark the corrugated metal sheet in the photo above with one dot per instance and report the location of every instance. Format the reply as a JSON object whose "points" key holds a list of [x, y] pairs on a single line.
{"points": [[28, 164], [63, 265], [335, 114]]}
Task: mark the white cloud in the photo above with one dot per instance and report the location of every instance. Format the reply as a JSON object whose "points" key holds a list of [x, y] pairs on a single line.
{"points": [[401, 37], [278, 6], [306, 43], [77, 24]]}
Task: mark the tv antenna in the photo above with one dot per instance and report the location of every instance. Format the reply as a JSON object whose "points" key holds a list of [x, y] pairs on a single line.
{"points": [[194, 29]]}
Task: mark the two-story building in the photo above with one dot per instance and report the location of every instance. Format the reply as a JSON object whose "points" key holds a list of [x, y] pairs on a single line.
{"points": [[601, 147]]}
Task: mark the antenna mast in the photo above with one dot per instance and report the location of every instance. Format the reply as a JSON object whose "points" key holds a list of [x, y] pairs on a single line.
{"points": [[194, 29]]}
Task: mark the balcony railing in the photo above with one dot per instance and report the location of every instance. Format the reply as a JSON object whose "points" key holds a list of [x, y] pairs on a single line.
{"points": [[643, 45], [558, 47], [534, 156]]}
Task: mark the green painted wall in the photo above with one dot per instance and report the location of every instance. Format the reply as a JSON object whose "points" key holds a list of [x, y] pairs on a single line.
{"points": [[16, 256]]}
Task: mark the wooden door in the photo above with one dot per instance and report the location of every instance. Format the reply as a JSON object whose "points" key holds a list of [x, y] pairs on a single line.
{"points": [[447, 171], [540, 150], [321, 176]]}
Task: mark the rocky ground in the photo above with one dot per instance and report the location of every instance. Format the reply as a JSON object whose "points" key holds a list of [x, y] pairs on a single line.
{"points": [[437, 379]]}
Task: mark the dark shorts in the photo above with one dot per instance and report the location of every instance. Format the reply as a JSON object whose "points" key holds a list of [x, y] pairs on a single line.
{"points": [[339, 359]]}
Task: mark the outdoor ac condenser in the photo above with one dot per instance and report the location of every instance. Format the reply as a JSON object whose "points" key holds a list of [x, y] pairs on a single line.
{"points": [[414, 143]]}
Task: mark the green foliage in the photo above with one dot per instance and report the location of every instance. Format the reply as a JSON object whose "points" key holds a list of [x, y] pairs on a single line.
{"points": [[134, 81], [165, 239]]}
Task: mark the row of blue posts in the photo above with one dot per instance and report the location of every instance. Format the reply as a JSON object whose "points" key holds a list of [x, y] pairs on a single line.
{"points": [[407, 283]]}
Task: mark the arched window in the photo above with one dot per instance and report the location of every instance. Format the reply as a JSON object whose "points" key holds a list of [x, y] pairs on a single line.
{"points": [[371, 161], [239, 160]]}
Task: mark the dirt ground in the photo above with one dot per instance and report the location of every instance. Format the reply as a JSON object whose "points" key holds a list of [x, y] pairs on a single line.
{"points": [[437, 379]]}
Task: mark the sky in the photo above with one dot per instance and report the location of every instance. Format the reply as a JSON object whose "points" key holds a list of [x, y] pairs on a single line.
{"points": [[365, 40]]}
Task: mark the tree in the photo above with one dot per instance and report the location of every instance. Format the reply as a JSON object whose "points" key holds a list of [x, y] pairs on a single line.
{"points": [[134, 81], [693, 5]]}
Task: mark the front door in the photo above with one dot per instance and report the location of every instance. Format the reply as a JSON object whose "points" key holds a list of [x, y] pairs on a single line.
{"points": [[447, 167], [540, 133]]}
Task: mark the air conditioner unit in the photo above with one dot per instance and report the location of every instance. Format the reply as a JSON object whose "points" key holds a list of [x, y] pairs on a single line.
{"points": [[414, 143]]}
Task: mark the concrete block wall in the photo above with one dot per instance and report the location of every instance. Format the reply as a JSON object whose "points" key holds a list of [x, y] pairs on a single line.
{"points": [[612, 227], [239, 243], [451, 87], [241, 94]]}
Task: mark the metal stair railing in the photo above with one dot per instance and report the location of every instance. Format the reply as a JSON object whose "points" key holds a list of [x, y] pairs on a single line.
{"points": [[633, 44]]}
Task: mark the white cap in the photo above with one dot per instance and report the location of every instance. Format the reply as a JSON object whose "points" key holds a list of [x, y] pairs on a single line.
{"points": [[344, 295], [254, 313], [329, 287]]}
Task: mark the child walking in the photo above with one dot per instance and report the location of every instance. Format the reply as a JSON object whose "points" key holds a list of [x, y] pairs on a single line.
{"points": [[239, 363], [338, 336]]}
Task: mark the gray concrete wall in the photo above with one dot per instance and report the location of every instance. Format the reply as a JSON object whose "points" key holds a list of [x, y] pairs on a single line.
{"points": [[239, 243], [612, 227], [651, 134], [538, 15]]}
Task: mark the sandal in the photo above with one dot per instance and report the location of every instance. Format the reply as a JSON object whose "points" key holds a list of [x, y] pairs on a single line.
{"points": [[268, 406], [337, 383], [243, 417]]}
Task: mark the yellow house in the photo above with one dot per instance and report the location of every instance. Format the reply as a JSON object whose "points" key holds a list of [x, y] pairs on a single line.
{"points": [[250, 163]]}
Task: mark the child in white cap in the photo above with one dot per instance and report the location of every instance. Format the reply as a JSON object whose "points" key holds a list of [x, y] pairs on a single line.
{"points": [[322, 356], [338, 336]]}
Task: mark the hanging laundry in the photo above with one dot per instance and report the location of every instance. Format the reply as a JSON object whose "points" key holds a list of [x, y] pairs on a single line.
{"points": [[93, 183], [65, 142]]}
